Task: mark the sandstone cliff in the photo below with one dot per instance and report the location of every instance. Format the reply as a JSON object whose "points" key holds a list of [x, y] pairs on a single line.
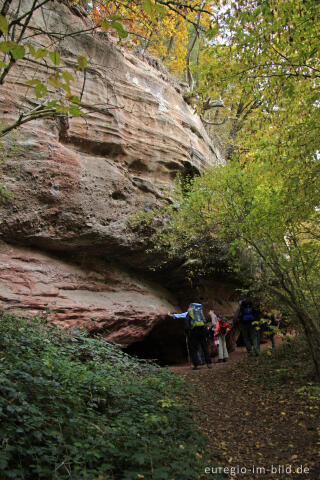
{"points": [[77, 184]]}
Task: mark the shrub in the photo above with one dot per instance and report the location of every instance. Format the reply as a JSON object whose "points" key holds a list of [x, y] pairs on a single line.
{"points": [[73, 407]]}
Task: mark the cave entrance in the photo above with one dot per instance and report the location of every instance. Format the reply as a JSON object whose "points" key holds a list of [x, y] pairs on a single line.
{"points": [[166, 344]]}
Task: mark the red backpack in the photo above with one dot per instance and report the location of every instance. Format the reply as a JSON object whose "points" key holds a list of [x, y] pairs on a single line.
{"points": [[224, 325]]}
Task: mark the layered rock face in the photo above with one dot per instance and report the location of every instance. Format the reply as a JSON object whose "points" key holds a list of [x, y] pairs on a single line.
{"points": [[103, 298], [77, 184]]}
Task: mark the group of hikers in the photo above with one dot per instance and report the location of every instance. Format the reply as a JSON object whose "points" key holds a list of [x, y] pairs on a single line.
{"points": [[199, 333]]}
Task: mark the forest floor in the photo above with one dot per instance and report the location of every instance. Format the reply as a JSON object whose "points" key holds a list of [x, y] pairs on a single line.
{"points": [[261, 415]]}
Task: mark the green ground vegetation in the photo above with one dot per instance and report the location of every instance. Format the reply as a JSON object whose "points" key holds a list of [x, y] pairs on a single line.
{"points": [[73, 407]]}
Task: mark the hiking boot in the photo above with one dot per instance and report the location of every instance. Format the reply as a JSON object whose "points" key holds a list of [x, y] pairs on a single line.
{"points": [[195, 367], [220, 360], [225, 359]]}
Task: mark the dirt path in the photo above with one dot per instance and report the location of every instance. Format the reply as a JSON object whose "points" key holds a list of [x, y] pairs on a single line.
{"points": [[254, 417]]}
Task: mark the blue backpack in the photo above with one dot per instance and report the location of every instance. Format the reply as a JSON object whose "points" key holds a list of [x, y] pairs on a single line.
{"points": [[247, 314], [195, 315]]}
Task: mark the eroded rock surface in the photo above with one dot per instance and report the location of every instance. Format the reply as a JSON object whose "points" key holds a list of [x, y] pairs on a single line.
{"points": [[104, 299], [77, 184]]}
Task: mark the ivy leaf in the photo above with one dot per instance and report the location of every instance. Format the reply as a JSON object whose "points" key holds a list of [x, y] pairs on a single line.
{"points": [[18, 52], [55, 58], [122, 33], [4, 26]]}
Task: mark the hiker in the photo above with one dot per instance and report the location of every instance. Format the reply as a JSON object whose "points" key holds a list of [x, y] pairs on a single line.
{"points": [[196, 331], [183, 315], [222, 328], [268, 324], [245, 316], [213, 317], [196, 325]]}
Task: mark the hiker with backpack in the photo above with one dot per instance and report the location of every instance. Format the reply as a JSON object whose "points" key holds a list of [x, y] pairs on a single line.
{"points": [[197, 327], [222, 328], [196, 331], [245, 316]]}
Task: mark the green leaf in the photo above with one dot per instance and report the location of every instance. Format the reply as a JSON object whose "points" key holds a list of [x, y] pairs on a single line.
{"points": [[2, 64], [75, 99], [105, 24], [148, 7], [212, 32], [41, 53], [122, 33], [82, 62], [52, 104], [7, 46], [67, 77], [4, 26], [75, 111], [33, 82], [160, 10], [54, 80], [40, 90], [66, 88], [18, 52], [55, 58], [31, 48]]}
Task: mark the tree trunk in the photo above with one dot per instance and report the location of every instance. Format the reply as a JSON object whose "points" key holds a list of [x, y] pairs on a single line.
{"points": [[312, 332]]}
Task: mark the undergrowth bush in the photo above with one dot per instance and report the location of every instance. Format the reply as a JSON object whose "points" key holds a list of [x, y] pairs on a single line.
{"points": [[73, 407], [289, 363]]}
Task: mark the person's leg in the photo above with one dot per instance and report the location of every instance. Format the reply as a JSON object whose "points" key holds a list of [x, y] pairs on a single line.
{"points": [[194, 349], [199, 359], [225, 350], [220, 349], [273, 341], [245, 335], [258, 340], [253, 338], [204, 345]]}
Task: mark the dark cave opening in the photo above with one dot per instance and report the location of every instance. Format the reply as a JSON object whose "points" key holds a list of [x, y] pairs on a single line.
{"points": [[166, 344]]}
